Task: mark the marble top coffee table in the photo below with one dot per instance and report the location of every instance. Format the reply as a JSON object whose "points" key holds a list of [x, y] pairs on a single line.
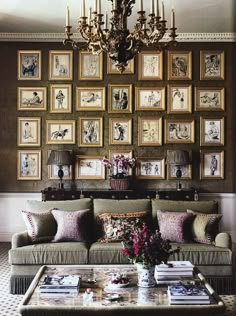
{"points": [[132, 300]]}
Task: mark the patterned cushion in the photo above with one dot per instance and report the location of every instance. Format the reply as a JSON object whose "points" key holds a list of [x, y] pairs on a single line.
{"points": [[116, 225], [72, 225], [204, 227], [41, 226], [174, 226]]}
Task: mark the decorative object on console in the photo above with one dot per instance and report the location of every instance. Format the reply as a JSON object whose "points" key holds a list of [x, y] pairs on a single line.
{"points": [[178, 158], [60, 158], [114, 37]]}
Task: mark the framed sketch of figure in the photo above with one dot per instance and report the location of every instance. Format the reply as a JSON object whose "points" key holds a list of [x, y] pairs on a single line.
{"points": [[90, 99], [29, 65], [90, 131], [60, 98], [29, 165], [179, 99], [212, 164], [150, 131], [120, 131], [60, 65], [179, 65], [179, 131], [89, 168], [212, 65], [28, 131], [60, 132], [90, 66], [209, 99], [212, 131], [150, 65], [112, 70], [150, 168], [31, 98], [120, 98], [150, 98]]}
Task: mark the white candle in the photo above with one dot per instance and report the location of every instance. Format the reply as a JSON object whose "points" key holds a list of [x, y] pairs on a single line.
{"points": [[95, 5], [152, 7], [163, 11], [83, 9], [172, 18], [99, 7], [89, 16], [67, 16], [157, 8], [140, 5], [106, 21], [114, 4]]}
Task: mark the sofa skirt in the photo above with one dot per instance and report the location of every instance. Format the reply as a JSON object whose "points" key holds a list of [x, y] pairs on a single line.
{"points": [[19, 283]]}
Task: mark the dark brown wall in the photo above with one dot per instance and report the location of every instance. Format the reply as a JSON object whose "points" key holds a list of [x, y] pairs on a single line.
{"points": [[9, 114]]}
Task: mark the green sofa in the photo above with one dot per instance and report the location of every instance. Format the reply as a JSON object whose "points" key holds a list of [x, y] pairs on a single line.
{"points": [[25, 257]]}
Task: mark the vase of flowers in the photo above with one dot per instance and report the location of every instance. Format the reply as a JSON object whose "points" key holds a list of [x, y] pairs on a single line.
{"points": [[146, 248], [119, 168]]}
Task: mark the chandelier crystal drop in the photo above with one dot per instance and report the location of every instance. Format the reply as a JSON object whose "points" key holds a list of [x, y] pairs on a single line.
{"points": [[113, 36]]}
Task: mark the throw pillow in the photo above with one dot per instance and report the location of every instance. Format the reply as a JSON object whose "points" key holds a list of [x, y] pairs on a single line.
{"points": [[72, 225], [116, 225], [174, 226], [40, 226], [204, 227]]}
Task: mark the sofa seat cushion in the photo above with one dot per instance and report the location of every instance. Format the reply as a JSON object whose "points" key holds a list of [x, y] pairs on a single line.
{"points": [[202, 254], [50, 253], [106, 253]]}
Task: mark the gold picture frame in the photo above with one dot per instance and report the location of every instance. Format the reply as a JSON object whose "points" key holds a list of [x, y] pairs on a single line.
{"points": [[29, 64], [89, 168], [120, 98], [150, 168], [150, 98], [150, 131], [212, 65], [179, 99], [90, 66], [60, 65], [209, 99], [60, 98], [112, 70], [179, 131], [60, 132], [29, 164], [150, 65], [90, 132], [31, 98], [179, 65], [212, 131], [212, 165], [28, 131], [120, 131], [53, 171], [90, 99]]}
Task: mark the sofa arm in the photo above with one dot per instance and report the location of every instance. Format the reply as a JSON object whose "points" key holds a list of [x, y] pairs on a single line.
{"points": [[20, 239], [223, 240]]}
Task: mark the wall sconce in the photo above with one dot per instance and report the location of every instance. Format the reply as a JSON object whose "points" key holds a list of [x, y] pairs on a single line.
{"points": [[60, 158], [178, 158]]}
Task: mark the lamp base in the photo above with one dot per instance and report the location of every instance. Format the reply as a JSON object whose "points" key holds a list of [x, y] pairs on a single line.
{"points": [[178, 186], [61, 186]]}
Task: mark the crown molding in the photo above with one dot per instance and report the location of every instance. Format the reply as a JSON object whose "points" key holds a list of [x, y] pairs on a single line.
{"points": [[59, 37]]}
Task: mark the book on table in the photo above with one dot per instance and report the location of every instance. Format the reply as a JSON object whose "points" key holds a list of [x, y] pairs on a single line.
{"points": [[175, 266], [60, 284], [188, 294]]}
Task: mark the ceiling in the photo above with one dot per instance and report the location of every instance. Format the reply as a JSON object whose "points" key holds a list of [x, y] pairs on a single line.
{"points": [[48, 16]]}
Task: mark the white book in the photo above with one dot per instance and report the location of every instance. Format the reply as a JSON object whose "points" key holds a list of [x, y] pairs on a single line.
{"points": [[167, 281], [58, 281], [187, 292], [187, 302], [175, 266], [175, 273]]}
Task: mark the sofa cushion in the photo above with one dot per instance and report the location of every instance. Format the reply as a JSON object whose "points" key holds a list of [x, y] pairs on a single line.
{"points": [[72, 225], [106, 253], [50, 253]]}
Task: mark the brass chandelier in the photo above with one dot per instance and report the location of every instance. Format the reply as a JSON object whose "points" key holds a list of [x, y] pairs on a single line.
{"points": [[113, 36]]}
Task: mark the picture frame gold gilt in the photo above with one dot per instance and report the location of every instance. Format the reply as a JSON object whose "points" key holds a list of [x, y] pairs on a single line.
{"points": [[212, 65], [179, 99], [179, 131], [60, 65], [120, 131], [150, 168], [120, 98], [89, 168], [90, 99], [60, 98], [179, 65], [60, 132], [150, 131], [209, 99], [211, 131], [90, 133], [150, 98], [150, 65], [28, 131], [212, 164], [90, 66], [29, 164], [31, 98], [112, 70], [29, 64]]}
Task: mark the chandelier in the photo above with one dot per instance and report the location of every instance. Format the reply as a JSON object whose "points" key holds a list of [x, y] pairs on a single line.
{"points": [[114, 37]]}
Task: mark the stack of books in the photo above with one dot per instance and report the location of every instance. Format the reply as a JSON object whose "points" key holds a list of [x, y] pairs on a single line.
{"points": [[181, 294], [60, 284], [173, 272]]}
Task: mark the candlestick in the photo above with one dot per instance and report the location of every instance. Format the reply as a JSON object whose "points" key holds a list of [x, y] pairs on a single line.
{"points": [[157, 8], [114, 4], [83, 9], [106, 21], [95, 5], [140, 5], [152, 7], [172, 18], [67, 16], [89, 16], [99, 7], [163, 12]]}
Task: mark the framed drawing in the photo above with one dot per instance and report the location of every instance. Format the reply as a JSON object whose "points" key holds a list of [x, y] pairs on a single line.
{"points": [[120, 98], [150, 168], [179, 99], [60, 98], [31, 98], [90, 131], [179, 131], [29, 65], [53, 171], [60, 132], [28, 131], [179, 65], [90, 66], [126, 153], [150, 98], [112, 70], [120, 131], [90, 99], [150, 131], [60, 65], [212, 65], [209, 99], [89, 168], [29, 165], [212, 164], [212, 131], [150, 65]]}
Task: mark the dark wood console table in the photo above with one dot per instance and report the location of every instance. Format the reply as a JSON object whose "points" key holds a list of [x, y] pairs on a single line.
{"points": [[182, 195]]}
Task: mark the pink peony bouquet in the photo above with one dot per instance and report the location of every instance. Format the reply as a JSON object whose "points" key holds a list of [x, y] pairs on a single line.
{"points": [[119, 165]]}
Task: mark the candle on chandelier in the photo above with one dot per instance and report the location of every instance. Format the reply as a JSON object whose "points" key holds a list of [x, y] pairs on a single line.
{"points": [[83, 9], [152, 7], [140, 5], [67, 16], [90, 16], [172, 18], [95, 5], [99, 7], [114, 4], [157, 8], [106, 21], [163, 11]]}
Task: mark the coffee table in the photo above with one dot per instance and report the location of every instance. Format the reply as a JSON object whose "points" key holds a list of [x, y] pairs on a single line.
{"points": [[135, 301]]}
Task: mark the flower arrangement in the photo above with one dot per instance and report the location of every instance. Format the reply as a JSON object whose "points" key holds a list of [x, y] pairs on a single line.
{"points": [[146, 247], [119, 165]]}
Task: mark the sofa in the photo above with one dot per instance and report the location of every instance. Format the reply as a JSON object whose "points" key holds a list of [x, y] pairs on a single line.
{"points": [[214, 259]]}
